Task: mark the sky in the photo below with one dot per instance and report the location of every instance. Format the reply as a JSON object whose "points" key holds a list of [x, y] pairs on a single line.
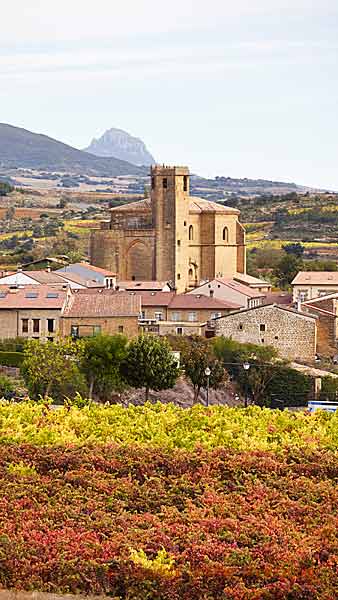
{"points": [[241, 89]]}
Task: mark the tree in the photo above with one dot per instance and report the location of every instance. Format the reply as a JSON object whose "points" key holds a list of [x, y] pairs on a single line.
{"points": [[197, 354], [295, 248], [10, 212], [150, 364], [101, 363], [287, 269], [263, 362], [51, 368]]}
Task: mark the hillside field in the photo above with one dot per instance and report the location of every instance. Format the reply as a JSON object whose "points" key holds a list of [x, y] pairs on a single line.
{"points": [[161, 503]]}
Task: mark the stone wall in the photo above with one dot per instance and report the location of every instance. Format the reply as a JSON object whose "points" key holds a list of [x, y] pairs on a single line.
{"points": [[292, 334], [109, 325]]}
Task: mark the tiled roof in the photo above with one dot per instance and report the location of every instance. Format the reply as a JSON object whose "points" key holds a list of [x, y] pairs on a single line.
{"points": [[239, 287], [46, 277], [142, 285], [278, 298], [316, 278], [95, 269], [75, 278], [293, 311], [196, 205], [199, 205], [155, 298], [199, 301], [103, 305], [32, 297], [249, 280]]}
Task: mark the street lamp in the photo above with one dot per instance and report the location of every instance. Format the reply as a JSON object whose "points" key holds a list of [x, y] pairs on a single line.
{"points": [[246, 367], [207, 373]]}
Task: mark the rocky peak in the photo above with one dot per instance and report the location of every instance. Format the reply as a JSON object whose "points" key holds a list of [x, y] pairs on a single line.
{"points": [[120, 144]]}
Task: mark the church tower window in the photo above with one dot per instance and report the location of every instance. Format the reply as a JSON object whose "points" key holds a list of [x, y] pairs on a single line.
{"points": [[225, 234], [185, 183], [191, 232], [165, 183]]}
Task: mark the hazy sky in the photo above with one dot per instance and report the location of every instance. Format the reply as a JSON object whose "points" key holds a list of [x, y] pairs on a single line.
{"points": [[244, 89]]}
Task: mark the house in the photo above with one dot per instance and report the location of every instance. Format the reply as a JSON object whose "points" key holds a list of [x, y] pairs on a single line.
{"points": [[308, 285], [292, 333], [283, 298], [325, 308], [143, 286], [253, 282], [91, 274], [88, 314], [30, 311], [182, 314], [230, 290]]}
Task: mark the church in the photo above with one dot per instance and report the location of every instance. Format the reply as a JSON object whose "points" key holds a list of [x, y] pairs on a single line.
{"points": [[171, 236]]}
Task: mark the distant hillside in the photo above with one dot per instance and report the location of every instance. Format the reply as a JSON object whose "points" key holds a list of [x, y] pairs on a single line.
{"points": [[20, 148], [122, 145]]}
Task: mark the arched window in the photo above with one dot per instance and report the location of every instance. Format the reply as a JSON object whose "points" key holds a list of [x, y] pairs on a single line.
{"points": [[191, 232], [225, 234], [191, 273]]}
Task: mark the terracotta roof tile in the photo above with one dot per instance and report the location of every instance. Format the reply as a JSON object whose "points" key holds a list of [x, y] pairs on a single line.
{"points": [[316, 277], [103, 305], [199, 301], [32, 297]]}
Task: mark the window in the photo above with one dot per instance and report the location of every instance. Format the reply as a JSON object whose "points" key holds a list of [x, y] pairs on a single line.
{"points": [[276, 337], [52, 295], [179, 330], [185, 223], [97, 330], [240, 326], [50, 325], [32, 295], [216, 315], [176, 316], [302, 295], [178, 276], [24, 325], [36, 325], [153, 183], [120, 328], [192, 316], [262, 327], [178, 242], [143, 314], [165, 183], [262, 340], [225, 234], [191, 232], [74, 331], [159, 316], [185, 183], [191, 273]]}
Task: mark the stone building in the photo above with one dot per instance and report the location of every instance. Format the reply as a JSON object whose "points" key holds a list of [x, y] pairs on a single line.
{"points": [[325, 308], [30, 311], [171, 236], [292, 333], [89, 314]]}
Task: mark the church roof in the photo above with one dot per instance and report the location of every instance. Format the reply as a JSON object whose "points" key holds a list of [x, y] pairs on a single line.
{"points": [[196, 205], [200, 205]]}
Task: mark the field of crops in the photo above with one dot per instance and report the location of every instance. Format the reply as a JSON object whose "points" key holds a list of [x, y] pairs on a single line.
{"points": [[161, 503]]}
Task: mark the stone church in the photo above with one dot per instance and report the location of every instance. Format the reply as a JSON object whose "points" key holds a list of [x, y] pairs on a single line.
{"points": [[171, 236]]}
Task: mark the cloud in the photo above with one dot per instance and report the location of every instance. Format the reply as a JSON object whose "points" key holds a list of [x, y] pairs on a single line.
{"points": [[35, 21]]}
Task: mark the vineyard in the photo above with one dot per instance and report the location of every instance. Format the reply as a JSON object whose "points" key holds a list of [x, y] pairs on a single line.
{"points": [[160, 503]]}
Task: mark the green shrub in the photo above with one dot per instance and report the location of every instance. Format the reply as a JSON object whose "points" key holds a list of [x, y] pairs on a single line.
{"points": [[11, 359], [7, 387]]}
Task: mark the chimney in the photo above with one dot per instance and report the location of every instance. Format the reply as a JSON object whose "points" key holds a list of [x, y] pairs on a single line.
{"points": [[211, 292]]}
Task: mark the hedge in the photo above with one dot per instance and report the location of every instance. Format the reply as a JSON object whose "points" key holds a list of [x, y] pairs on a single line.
{"points": [[11, 359]]}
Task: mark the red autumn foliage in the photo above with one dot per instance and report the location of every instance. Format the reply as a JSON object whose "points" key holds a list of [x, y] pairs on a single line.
{"points": [[239, 526]]}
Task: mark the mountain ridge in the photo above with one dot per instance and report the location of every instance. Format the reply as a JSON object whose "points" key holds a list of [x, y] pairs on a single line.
{"points": [[21, 148]]}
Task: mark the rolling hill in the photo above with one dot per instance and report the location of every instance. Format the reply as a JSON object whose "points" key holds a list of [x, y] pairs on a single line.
{"points": [[23, 149]]}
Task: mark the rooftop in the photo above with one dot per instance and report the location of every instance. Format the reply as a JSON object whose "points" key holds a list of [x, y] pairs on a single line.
{"points": [[316, 278], [196, 205], [200, 301], [142, 285], [239, 287], [103, 305], [249, 280], [32, 297]]}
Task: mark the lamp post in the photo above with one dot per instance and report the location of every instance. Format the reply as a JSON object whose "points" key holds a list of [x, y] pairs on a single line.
{"points": [[207, 373], [246, 367]]}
